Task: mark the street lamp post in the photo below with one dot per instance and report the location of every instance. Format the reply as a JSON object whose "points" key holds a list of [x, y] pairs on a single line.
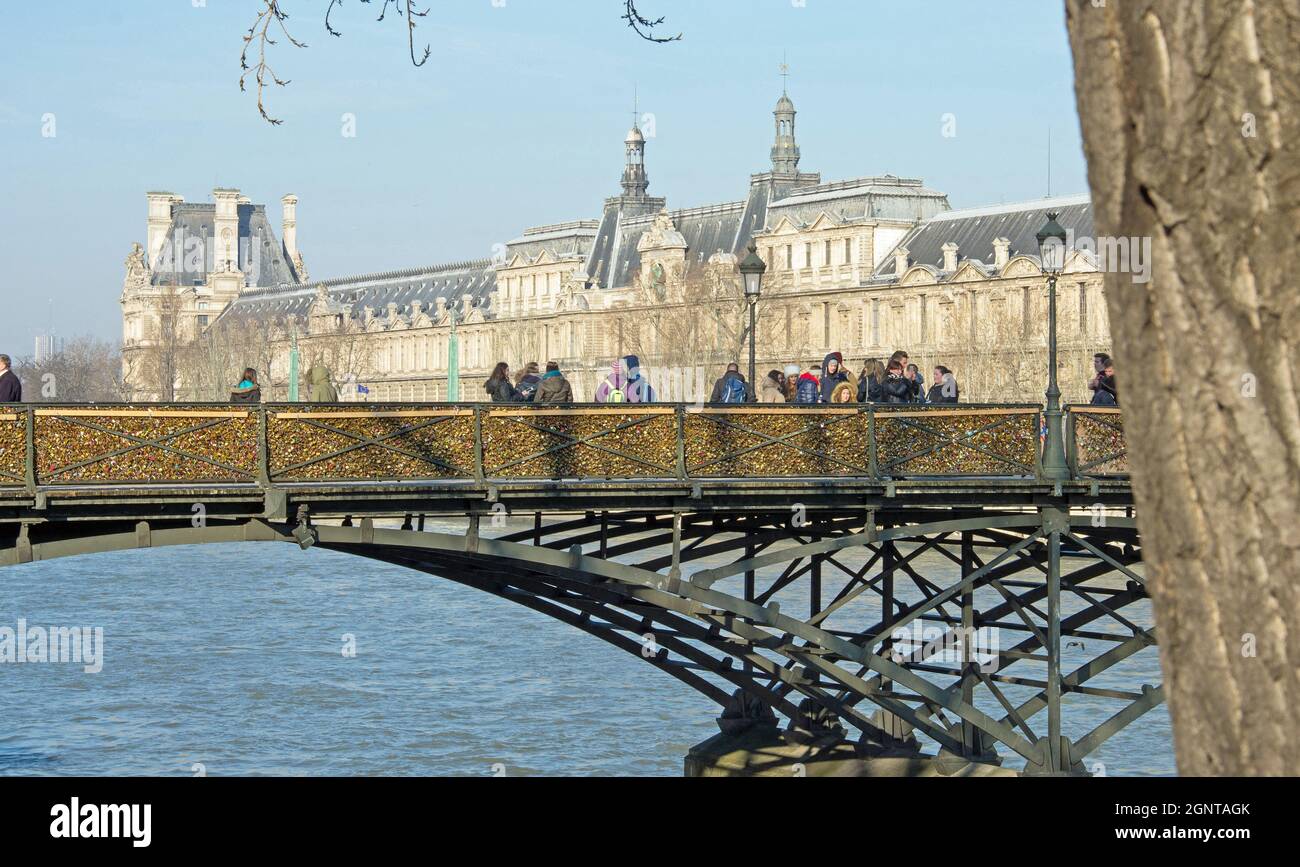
{"points": [[1051, 246], [453, 360], [752, 268], [293, 365]]}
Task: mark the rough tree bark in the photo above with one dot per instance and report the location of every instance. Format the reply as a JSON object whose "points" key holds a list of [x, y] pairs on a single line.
{"points": [[1191, 124]]}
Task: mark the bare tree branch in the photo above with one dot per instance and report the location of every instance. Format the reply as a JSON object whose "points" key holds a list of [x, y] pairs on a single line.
{"points": [[271, 13], [644, 27], [260, 31]]}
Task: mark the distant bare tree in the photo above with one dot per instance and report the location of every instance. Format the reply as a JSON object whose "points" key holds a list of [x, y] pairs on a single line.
{"points": [[155, 366], [86, 370], [344, 349], [700, 324]]}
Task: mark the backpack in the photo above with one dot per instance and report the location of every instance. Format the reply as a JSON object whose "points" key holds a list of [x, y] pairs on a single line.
{"points": [[733, 390], [807, 391], [528, 388]]}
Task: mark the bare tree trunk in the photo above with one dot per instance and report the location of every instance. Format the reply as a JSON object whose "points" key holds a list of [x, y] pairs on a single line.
{"points": [[1191, 124]]}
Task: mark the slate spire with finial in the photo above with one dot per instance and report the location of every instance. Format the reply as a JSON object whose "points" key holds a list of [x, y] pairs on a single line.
{"points": [[635, 181], [785, 151]]}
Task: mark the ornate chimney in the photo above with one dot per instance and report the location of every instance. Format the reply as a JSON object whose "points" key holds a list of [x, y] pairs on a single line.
{"points": [[949, 256], [289, 213], [1001, 252], [225, 230], [160, 220], [902, 261]]}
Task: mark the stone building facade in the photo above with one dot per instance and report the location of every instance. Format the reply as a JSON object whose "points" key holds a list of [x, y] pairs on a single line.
{"points": [[863, 266]]}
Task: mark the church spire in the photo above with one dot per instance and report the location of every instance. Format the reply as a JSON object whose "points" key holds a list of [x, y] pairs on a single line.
{"points": [[785, 152], [635, 182]]}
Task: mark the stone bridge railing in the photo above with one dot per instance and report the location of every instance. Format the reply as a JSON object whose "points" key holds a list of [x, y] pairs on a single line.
{"points": [[46, 445]]}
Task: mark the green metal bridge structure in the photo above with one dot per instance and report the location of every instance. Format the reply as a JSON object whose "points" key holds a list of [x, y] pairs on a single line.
{"points": [[907, 580]]}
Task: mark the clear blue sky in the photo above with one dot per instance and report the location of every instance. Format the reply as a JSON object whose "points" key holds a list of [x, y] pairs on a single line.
{"points": [[516, 120]]}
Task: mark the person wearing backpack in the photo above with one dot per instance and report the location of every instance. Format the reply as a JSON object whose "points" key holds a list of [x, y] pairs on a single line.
{"points": [[809, 388], [625, 384], [731, 387], [528, 383], [638, 388]]}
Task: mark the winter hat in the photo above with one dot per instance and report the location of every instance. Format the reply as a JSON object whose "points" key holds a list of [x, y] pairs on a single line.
{"points": [[791, 370]]}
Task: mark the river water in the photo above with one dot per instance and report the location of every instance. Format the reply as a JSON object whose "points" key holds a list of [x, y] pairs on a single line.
{"points": [[235, 660]]}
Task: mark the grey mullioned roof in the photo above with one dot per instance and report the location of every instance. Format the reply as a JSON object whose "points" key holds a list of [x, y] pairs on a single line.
{"points": [[261, 254], [426, 285], [754, 217], [706, 230], [561, 240], [973, 230], [883, 198], [606, 248]]}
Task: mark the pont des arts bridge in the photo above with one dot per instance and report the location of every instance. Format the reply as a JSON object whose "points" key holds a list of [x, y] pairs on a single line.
{"points": [[860, 589]]}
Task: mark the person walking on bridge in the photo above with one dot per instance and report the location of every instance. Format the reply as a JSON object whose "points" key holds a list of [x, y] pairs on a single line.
{"points": [[897, 388], [498, 385], [773, 388], [248, 391], [1104, 391], [731, 387], [529, 381], [809, 388], [872, 381], [791, 381], [913, 375], [625, 384], [320, 388], [833, 373], [11, 388], [944, 389], [554, 388]]}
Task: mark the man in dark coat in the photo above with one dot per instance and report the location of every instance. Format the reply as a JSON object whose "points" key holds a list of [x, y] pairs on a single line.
{"points": [[944, 389], [731, 387], [1104, 390], [11, 388]]}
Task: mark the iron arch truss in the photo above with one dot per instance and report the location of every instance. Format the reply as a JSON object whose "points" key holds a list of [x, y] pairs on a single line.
{"points": [[964, 630]]}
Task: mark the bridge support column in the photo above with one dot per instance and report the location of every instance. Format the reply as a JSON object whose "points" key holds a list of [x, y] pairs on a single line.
{"points": [[1055, 759], [969, 734], [763, 751]]}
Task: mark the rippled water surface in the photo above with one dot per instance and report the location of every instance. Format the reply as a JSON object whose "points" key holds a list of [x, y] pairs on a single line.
{"points": [[230, 657]]}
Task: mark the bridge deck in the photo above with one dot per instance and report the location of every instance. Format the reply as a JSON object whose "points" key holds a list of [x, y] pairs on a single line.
{"points": [[76, 456]]}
